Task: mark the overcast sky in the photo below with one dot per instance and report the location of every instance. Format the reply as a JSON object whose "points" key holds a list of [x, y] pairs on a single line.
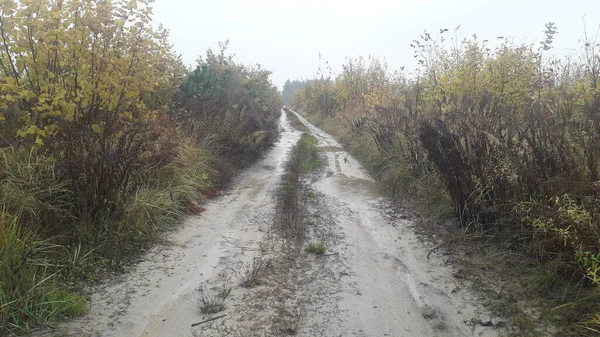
{"points": [[286, 36]]}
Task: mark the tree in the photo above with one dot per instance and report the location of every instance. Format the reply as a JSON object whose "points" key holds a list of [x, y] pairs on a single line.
{"points": [[290, 89]]}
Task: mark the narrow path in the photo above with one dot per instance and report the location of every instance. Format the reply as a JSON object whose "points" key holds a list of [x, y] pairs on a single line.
{"points": [[375, 281]]}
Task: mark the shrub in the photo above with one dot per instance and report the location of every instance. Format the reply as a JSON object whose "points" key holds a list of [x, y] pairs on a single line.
{"points": [[230, 109]]}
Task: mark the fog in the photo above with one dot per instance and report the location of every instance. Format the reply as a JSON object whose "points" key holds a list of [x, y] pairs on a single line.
{"points": [[287, 37]]}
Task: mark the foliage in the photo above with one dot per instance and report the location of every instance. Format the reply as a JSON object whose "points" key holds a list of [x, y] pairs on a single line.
{"points": [[289, 90], [511, 134], [81, 82], [229, 108]]}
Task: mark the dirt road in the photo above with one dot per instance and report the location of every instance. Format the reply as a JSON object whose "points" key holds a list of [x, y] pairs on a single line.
{"points": [[375, 280]]}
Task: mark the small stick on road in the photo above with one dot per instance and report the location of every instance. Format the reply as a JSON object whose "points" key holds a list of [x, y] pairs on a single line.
{"points": [[208, 320]]}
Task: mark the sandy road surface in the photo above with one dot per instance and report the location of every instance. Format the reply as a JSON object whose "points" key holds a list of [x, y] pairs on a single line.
{"points": [[376, 279]]}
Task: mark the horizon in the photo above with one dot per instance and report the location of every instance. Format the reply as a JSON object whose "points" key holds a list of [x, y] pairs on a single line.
{"points": [[261, 32]]}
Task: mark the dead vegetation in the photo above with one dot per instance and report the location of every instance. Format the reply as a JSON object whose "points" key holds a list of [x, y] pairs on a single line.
{"points": [[251, 274], [212, 300], [291, 221], [304, 158]]}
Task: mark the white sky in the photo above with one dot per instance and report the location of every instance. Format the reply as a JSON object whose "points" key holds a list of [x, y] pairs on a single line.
{"points": [[286, 36]]}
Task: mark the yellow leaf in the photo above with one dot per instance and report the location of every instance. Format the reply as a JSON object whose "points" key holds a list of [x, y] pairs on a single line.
{"points": [[96, 128]]}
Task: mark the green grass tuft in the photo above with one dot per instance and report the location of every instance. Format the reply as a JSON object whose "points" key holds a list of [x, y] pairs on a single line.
{"points": [[316, 248], [29, 288]]}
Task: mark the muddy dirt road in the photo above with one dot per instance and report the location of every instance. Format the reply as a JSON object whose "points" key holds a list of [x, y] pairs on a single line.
{"points": [[375, 280]]}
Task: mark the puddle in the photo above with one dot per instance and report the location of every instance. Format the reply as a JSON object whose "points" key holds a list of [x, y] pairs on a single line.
{"points": [[353, 185]]}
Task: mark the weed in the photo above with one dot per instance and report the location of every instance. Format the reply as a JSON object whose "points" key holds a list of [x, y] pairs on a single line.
{"points": [[290, 320], [303, 158], [251, 274], [211, 301], [465, 261], [316, 248]]}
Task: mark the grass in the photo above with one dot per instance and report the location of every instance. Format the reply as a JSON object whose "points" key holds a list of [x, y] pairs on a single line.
{"points": [[303, 159], [30, 292], [32, 191], [163, 200], [315, 248], [46, 251], [251, 274], [212, 301], [530, 295]]}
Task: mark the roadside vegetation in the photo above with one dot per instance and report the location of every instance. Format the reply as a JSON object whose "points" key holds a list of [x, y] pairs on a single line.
{"points": [[291, 223], [304, 158], [504, 136], [106, 140], [211, 300]]}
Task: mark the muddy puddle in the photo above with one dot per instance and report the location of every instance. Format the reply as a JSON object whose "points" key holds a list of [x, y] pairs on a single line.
{"points": [[351, 185]]}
